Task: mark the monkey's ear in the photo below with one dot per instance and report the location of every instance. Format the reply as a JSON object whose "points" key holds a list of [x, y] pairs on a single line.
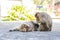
{"points": [[36, 14]]}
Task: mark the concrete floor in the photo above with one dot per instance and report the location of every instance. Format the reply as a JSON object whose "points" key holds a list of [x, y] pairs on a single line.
{"points": [[6, 35]]}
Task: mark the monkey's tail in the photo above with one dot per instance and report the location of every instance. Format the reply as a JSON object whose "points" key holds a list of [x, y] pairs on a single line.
{"points": [[14, 30]]}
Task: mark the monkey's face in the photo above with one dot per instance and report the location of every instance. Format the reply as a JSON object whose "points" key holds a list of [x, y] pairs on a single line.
{"points": [[24, 28], [38, 17]]}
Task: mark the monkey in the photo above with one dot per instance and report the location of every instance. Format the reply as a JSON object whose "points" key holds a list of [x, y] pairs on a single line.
{"points": [[57, 3], [57, 8], [44, 21], [29, 29], [22, 28], [26, 28], [42, 27]]}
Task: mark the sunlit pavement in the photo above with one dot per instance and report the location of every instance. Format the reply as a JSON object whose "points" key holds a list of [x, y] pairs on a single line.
{"points": [[6, 35]]}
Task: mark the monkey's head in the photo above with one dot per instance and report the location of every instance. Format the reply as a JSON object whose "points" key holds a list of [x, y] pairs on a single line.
{"points": [[38, 16], [24, 28]]}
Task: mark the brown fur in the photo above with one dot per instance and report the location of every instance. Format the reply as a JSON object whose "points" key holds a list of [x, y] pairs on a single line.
{"points": [[44, 20], [25, 28]]}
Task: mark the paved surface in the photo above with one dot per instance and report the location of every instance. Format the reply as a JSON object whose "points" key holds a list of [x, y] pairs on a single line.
{"points": [[6, 35]]}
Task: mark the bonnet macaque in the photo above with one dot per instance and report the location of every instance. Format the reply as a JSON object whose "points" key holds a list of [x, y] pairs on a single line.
{"points": [[44, 21], [26, 27]]}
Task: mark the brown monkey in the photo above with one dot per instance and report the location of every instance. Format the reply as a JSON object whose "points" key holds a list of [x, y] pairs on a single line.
{"points": [[23, 28], [44, 21], [26, 27]]}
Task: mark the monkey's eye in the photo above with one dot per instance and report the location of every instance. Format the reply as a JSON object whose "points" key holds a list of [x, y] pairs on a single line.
{"points": [[37, 17]]}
